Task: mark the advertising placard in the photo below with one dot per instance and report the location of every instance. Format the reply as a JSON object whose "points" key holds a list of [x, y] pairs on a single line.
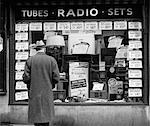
{"points": [[78, 79]]}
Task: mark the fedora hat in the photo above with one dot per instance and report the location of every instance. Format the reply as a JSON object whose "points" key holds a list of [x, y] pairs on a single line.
{"points": [[39, 44]]}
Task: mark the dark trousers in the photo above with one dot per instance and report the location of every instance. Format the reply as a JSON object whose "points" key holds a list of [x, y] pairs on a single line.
{"points": [[41, 124]]}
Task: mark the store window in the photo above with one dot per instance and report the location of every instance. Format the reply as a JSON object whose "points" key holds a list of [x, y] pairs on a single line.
{"points": [[100, 60]]}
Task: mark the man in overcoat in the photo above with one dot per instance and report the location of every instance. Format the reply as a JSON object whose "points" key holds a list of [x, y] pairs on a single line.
{"points": [[41, 73]]}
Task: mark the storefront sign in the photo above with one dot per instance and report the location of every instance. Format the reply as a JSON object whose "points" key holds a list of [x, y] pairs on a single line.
{"points": [[78, 12]]}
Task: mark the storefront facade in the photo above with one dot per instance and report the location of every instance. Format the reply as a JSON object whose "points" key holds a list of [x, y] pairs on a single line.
{"points": [[102, 50]]}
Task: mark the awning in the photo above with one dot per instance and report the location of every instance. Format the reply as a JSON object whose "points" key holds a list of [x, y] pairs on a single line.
{"points": [[75, 2]]}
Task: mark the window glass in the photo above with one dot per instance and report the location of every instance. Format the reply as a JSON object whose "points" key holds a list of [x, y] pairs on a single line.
{"points": [[99, 61]]}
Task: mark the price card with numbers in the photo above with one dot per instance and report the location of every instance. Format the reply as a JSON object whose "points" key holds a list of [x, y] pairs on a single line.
{"points": [[135, 44], [135, 54], [135, 64], [35, 26], [105, 25], [63, 26], [21, 55], [134, 25], [134, 73], [23, 95], [91, 25], [20, 85], [19, 65], [135, 83], [135, 34], [135, 92], [22, 45], [21, 27], [120, 25], [48, 26], [21, 36], [18, 75], [77, 26]]}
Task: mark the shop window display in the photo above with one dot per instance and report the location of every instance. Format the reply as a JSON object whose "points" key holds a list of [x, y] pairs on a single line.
{"points": [[100, 63]]}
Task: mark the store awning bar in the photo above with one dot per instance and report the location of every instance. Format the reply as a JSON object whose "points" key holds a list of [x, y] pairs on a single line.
{"points": [[77, 2]]}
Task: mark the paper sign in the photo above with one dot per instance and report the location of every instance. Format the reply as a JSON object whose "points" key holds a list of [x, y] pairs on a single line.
{"points": [[135, 64], [97, 86], [91, 25], [21, 36], [105, 25], [135, 92], [21, 55], [135, 83], [20, 85], [78, 79], [135, 34], [35, 26], [63, 26], [77, 26], [134, 25], [135, 54], [81, 44], [19, 65], [18, 75], [135, 44], [48, 26], [22, 45], [21, 27], [120, 25], [21, 95], [135, 73]]}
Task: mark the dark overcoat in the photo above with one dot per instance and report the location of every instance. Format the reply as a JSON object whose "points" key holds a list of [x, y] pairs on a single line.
{"points": [[40, 74]]}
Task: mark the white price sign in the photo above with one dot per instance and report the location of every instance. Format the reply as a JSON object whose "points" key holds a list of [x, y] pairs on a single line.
{"points": [[21, 95], [21, 36], [20, 65], [135, 34], [22, 45], [20, 85], [63, 26], [35, 26], [135, 74], [135, 25], [91, 25], [135, 83], [135, 54], [105, 25], [135, 92], [77, 26], [18, 75], [21, 27], [48, 26], [120, 25], [22, 55], [135, 44], [135, 64]]}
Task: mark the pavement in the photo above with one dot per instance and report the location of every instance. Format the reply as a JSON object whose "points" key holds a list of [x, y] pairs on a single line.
{"points": [[16, 125]]}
